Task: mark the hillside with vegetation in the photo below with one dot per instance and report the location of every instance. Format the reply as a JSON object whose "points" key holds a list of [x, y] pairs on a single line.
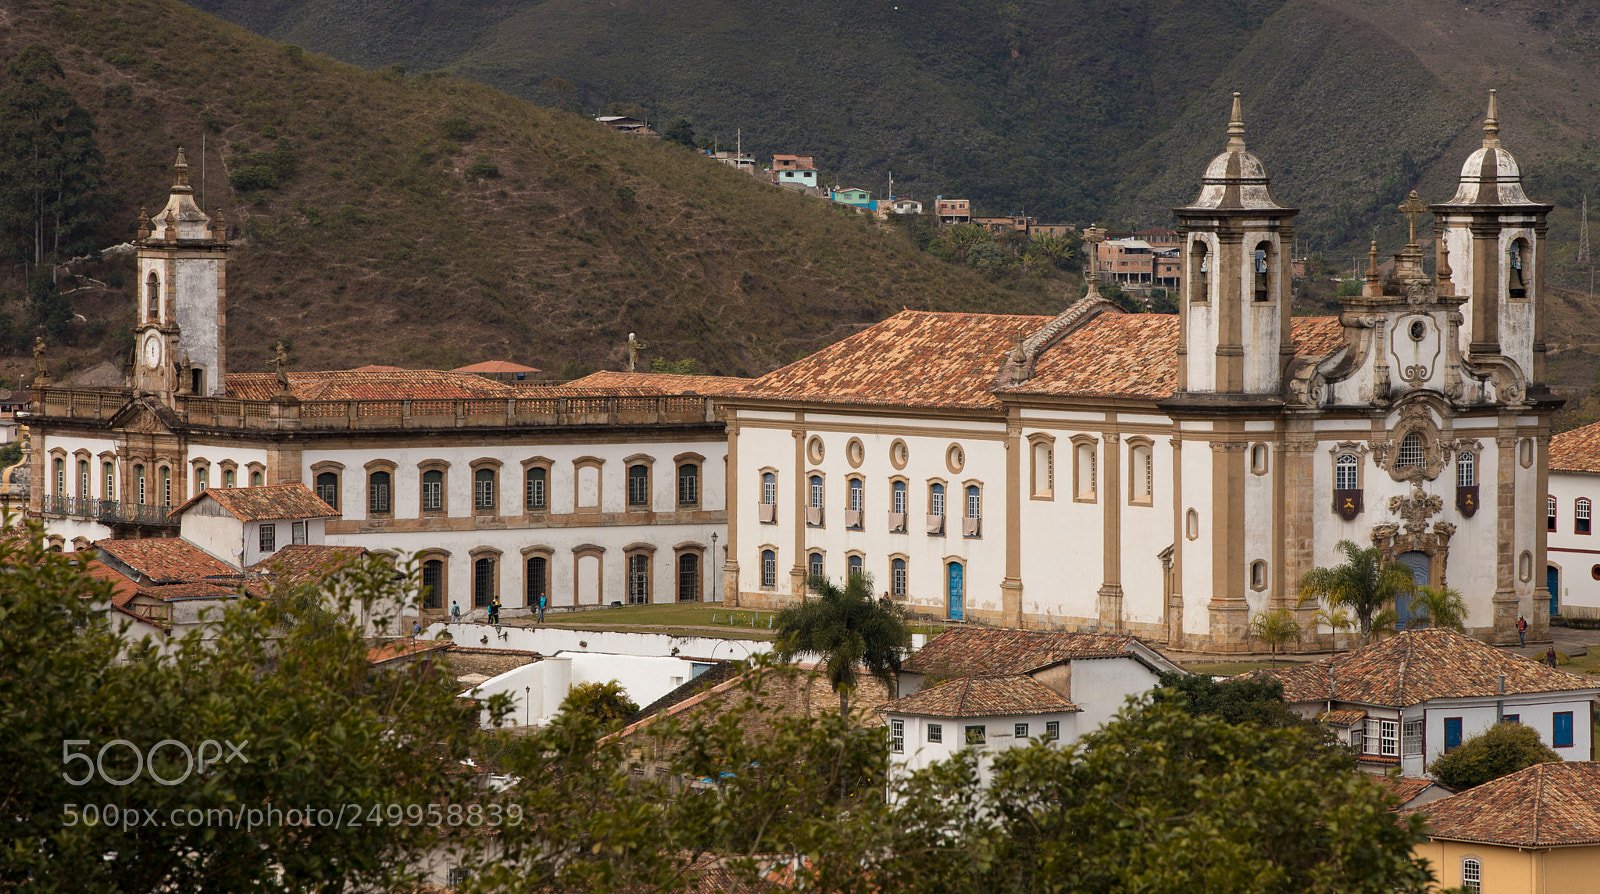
{"points": [[381, 217]]}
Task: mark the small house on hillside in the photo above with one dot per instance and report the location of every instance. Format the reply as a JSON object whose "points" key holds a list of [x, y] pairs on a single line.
{"points": [[853, 196], [1534, 831], [246, 525], [953, 211], [631, 126], [1406, 700], [798, 171]]}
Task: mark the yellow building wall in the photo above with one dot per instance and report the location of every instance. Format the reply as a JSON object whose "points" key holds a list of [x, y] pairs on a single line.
{"points": [[1507, 870]]}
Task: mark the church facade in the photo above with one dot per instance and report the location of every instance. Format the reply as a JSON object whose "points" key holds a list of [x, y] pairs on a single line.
{"points": [[1174, 476]]}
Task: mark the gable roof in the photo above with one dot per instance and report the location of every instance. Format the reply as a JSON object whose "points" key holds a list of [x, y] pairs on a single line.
{"points": [[1547, 805], [369, 383], [1415, 666], [994, 651], [265, 503], [122, 589], [165, 560], [998, 696], [495, 366], [299, 563], [610, 382], [1577, 450], [226, 588]]}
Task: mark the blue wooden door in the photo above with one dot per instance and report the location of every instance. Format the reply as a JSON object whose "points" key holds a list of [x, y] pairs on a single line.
{"points": [[1421, 567], [1552, 584], [955, 588]]}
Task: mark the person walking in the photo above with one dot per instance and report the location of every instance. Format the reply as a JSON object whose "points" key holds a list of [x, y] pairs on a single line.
{"points": [[541, 609], [455, 613], [494, 611], [1522, 630], [1550, 656], [416, 629]]}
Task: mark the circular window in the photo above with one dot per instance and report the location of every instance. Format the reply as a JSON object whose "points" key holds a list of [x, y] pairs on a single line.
{"points": [[814, 450], [1595, 572], [1419, 330], [955, 458], [899, 454], [855, 453]]}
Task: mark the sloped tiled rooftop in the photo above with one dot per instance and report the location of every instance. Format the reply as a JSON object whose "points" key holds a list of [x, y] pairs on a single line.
{"points": [[266, 503], [1001, 696], [300, 563], [165, 560], [492, 367], [610, 382], [369, 383], [1414, 666], [1577, 450], [995, 651], [1547, 805]]}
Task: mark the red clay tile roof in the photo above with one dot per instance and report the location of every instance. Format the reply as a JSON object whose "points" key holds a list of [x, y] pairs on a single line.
{"points": [[369, 383], [165, 560], [1547, 805], [495, 366], [1414, 666], [300, 563], [992, 651], [402, 648], [1342, 718], [1406, 788], [1001, 696], [1577, 450], [914, 358], [122, 589], [222, 589], [266, 503], [923, 358], [608, 382]]}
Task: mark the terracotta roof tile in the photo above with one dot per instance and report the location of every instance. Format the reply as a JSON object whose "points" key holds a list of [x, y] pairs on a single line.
{"points": [[1577, 450], [369, 383], [1414, 666], [266, 503], [1407, 788], [1547, 805], [1342, 718], [122, 589], [992, 651], [1000, 696], [607, 382], [495, 366], [300, 563], [206, 589], [165, 560]]}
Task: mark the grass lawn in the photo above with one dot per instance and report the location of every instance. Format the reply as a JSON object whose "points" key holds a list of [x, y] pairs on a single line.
{"points": [[1231, 668], [694, 618]]}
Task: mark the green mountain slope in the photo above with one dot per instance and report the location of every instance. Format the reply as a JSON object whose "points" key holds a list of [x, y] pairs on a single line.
{"points": [[389, 241]]}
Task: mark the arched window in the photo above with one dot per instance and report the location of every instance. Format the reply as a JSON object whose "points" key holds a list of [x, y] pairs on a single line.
{"points": [[638, 579], [817, 494], [483, 489], [1410, 451], [1258, 575], [83, 479], [166, 486], [257, 479], [1259, 459], [58, 476], [1085, 471], [769, 568], [1550, 512], [898, 499], [433, 490], [202, 479], [108, 474], [814, 566], [855, 565], [139, 483], [858, 496], [971, 524], [935, 501], [537, 579], [688, 577], [1262, 278], [688, 484], [1346, 469], [379, 488], [1044, 469], [1516, 262], [1471, 875], [328, 488], [1580, 515], [768, 513], [152, 287], [536, 487], [1466, 473], [639, 485], [1199, 271], [433, 584], [1141, 474], [897, 578], [483, 582]]}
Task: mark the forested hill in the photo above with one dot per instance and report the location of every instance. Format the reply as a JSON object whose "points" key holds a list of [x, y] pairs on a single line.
{"points": [[1071, 110], [381, 217]]}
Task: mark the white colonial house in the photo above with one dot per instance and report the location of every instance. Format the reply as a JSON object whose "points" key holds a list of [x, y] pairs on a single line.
{"points": [[1572, 560], [1171, 476], [1405, 700], [990, 689], [605, 490]]}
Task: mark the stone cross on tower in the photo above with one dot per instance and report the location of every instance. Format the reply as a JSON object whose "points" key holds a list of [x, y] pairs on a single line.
{"points": [[1412, 207]]}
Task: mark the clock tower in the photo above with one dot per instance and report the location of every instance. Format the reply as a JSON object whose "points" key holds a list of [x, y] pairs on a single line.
{"points": [[180, 333]]}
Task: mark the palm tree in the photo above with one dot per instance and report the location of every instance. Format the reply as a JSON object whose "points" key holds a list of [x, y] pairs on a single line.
{"points": [[1336, 618], [1275, 628], [1365, 585], [849, 629], [1438, 607]]}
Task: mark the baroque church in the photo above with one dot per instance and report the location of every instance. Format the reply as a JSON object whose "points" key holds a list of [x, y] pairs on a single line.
{"points": [[1164, 476], [1173, 476]]}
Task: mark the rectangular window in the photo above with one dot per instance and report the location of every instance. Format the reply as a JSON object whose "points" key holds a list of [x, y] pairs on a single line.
{"points": [[688, 484], [1561, 732], [537, 496], [1021, 731], [269, 538], [1452, 733], [1511, 718], [897, 736], [638, 486], [1052, 730], [1550, 513], [483, 489], [976, 735], [1472, 876], [1411, 737], [935, 732], [1383, 738], [858, 494], [432, 491], [936, 500], [1580, 516], [298, 532]]}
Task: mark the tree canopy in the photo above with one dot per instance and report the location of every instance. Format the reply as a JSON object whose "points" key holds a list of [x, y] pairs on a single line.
{"points": [[1364, 585], [1234, 701], [849, 629], [1498, 751]]}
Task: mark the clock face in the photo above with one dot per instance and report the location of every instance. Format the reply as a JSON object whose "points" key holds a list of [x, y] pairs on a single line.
{"points": [[152, 351]]}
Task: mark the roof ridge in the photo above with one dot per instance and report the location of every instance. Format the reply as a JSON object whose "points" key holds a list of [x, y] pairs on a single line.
{"points": [[1538, 801]]}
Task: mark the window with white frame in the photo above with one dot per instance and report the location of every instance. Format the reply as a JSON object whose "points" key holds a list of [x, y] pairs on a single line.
{"points": [[769, 488], [814, 566], [166, 486], [899, 498], [977, 735], [108, 471], [1052, 730], [1471, 875], [83, 479], [897, 578], [139, 483], [936, 500], [816, 491], [1382, 738], [638, 485], [1466, 469], [974, 501], [269, 538], [1550, 512], [897, 736], [1044, 469], [638, 579], [378, 484], [433, 491], [297, 531], [1580, 515], [769, 568], [1346, 472], [328, 488], [1411, 737], [858, 494], [483, 487], [536, 488], [1020, 731], [856, 565], [1410, 452], [935, 732]]}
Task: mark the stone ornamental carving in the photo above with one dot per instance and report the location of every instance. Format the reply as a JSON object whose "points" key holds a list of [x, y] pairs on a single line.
{"points": [[1416, 508]]}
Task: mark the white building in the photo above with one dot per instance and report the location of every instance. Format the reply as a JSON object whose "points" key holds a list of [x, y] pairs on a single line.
{"points": [[605, 490], [1405, 700], [1572, 561], [1171, 476]]}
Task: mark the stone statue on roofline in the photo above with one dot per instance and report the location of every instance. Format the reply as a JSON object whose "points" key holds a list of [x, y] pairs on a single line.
{"points": [[279, 364], [634, 347]]}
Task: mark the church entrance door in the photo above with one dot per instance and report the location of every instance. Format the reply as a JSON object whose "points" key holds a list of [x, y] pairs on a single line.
{"points": [[1421, 565], [1552, 584], [957, 602]]}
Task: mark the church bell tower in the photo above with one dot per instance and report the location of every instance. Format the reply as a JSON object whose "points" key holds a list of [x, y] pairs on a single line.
{"points": [[180, 333]]}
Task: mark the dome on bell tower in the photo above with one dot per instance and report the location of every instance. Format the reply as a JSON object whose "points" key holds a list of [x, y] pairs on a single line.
{"points": [[1236, 179], [1490, 175]]}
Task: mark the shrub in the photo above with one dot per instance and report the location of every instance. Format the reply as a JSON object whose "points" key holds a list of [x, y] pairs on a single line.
{"points": [[482, 168], [458, 128], [253, 177], [1499, 751]]}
